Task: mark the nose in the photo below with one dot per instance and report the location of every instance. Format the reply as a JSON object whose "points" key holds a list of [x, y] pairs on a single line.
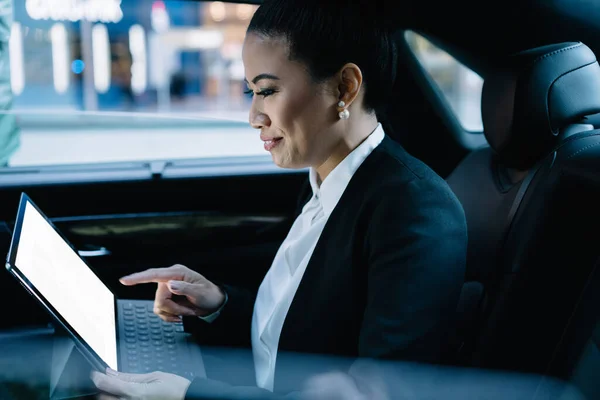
{"points": [[258, 119]]}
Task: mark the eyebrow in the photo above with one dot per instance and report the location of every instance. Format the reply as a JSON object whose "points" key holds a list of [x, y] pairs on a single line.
{"points": [[261, 77]]}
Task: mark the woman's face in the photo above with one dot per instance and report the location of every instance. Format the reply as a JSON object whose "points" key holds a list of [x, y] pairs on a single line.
{"points": [[296, 117]]}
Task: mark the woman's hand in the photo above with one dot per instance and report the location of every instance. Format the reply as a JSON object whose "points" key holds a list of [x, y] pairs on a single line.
{"points": [[181, 292], [342, 386], [155, 385]]}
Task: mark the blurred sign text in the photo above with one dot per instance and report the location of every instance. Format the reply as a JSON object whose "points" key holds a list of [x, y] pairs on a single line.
{"points": [[75, 10]]}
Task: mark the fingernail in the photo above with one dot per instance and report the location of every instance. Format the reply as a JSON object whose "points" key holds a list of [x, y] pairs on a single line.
{"points": [[174, 285], [112, 372]]}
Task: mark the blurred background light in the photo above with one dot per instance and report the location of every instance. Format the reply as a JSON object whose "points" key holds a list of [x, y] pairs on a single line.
{"points": [[101, 57], [77, 66], [217, 11], [60, 57], [137, 47], [159, 17], [15, 49], [245, 11]]}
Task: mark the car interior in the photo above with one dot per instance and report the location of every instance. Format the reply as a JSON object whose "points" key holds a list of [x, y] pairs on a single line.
{"points": [[529, 183]]}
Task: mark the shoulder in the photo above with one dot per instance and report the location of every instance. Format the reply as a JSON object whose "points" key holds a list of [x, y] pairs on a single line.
{"points": [[396, 178]]}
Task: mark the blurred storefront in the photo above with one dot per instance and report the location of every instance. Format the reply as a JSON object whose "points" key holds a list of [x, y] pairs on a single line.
{"points": [[128, 54]]}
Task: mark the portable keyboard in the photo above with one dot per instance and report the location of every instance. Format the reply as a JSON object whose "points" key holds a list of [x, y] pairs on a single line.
{"points": [[149, 344]]}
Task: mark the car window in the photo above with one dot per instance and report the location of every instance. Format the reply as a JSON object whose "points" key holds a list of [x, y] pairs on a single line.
{"points": [[79, 67], [460, 85]]}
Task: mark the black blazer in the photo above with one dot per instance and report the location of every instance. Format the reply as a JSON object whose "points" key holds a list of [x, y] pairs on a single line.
{"points": [[386, 274]]}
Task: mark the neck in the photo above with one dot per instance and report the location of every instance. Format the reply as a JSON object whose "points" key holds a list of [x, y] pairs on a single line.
{"points": [[356, 133]]}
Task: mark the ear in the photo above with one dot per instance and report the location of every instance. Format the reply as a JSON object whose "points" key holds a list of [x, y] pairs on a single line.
{"points": [[350, 83]]}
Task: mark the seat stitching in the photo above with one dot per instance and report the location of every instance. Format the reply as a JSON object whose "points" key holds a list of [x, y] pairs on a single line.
{"points": [[556, 52], [583, 149]]}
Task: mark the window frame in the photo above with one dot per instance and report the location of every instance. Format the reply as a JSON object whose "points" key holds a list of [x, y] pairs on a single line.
{"points": [[467, 138]]}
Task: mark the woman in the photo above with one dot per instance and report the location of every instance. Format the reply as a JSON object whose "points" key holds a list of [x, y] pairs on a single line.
{"points": [[374, 263]]}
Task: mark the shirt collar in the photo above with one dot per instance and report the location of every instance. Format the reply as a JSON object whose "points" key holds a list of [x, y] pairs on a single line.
{"points": [[332, 188]]}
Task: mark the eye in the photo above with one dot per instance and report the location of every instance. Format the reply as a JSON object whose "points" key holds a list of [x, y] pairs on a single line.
{"points": [[262, 92], [266, 92]]}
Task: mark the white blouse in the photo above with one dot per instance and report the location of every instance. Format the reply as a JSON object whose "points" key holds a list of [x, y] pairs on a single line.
{"points": [[279, 286]]}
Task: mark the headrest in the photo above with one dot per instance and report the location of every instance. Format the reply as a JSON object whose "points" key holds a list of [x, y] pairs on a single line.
{"points": [[534, 95]]}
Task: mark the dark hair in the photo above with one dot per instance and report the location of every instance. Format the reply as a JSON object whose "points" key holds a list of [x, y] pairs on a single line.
{"points": [[325, 35]]}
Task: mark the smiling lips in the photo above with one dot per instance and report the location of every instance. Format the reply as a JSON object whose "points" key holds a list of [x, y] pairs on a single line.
{"points": [[271, 143]]}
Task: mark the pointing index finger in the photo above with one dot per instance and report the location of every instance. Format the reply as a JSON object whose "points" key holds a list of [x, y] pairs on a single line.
{"points": [[155, 275]]}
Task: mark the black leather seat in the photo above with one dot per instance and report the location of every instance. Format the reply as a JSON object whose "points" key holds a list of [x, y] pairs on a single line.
{"points": [[532, 202]]}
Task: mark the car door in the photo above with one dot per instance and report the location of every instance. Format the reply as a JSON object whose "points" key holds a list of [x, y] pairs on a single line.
{"points": [[133, 139], [224, 217]]}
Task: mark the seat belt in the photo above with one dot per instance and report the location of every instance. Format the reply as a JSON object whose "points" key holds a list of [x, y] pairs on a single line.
{"points": [[523, 190], [491, 290]]}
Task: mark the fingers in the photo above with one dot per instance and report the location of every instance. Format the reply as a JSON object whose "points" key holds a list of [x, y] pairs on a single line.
{"points": [[104, 396], [113, 385], [181, 288], [176, 272], [168, 317], [202, 295], [165, 305], [331, 386], [172, 308], [133, 378]]}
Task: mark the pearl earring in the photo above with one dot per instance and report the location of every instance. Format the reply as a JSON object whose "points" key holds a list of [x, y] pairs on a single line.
{"points": [[344, 114]]}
